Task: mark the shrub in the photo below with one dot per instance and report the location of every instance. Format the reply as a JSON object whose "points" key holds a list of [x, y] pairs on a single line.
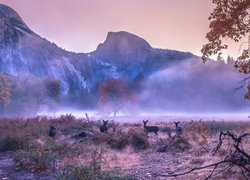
{"points": [[13, 142], [118, 140], [138, 139], [135, 137], [175, 144], [84, 172], [41, 157], [76, 173], [203, 131]]}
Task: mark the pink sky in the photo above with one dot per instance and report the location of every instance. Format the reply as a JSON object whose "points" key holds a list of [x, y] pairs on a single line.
{"points": [[80, 25]]}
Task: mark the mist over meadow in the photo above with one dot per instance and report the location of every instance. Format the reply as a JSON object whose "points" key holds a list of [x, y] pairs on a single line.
{"points": [[191, 86], [184, 87]]}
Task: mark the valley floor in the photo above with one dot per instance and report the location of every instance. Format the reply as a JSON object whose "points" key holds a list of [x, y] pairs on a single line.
{"points": [[126, 151]]}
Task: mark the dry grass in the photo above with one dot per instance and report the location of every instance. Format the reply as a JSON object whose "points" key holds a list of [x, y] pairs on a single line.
{"points": [[121, 149]]}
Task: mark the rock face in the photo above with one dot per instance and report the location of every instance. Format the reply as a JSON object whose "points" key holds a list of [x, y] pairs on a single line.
{"points": [[123, 48], [24, 52], [11, 25], [133, 55]]}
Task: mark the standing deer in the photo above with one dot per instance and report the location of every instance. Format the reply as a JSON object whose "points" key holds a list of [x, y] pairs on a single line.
{"points": [[52, 131], [104, 127], [178, 129], [154, 129]]}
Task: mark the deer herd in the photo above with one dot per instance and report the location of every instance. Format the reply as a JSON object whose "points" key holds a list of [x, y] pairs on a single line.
{"points": [[104, 128]]}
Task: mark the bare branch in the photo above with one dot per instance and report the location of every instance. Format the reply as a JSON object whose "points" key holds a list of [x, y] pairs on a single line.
{"points": [[238, 158], [194, 169]]}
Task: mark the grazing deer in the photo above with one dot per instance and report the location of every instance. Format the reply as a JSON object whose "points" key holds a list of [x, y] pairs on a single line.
{"points": [[178, 129], [82, 134], [154, 129], [52, 131], [104, 127]]}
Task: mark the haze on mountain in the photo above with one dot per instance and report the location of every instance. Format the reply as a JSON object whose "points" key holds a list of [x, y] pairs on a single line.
{"points": [[171, 81]]}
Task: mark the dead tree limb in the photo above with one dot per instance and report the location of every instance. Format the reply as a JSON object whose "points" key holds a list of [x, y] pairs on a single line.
{"points": [[243, 83], [236, 158]]}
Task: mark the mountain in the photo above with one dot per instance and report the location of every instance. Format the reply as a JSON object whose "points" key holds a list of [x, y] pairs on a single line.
{"points": [[126, 49], [28, 58], [133, 55], [122, 48], [24, 52]]}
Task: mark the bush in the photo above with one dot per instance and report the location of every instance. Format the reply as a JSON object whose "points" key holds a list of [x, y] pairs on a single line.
{"points": [[42, 157], [39, 159], [175, 144], [118, 140], [76, 173], [84, 172], [13, 142], [138, 139]]}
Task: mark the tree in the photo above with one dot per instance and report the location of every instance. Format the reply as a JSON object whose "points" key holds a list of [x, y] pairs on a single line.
{"points": [[5, 91], [53, 89], [28, 94], [114, 94], [229, 19]]}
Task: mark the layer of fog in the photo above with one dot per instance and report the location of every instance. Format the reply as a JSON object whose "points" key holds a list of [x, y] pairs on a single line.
{"points": [[151, 116], [193, 87], [186, 90]]}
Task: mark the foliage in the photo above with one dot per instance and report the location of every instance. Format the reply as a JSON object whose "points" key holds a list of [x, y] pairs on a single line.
{"points": [[13, 142], [203, 131], [28, 93], [229, 19], [177, 143], [138, 139], [214, 127], [5, 91], [53, 89], [193, 132], [135, 137], [114, 94], [119, 140], [75, 172], [79, 172], [91, 170], [37, 158], [41, 157]]}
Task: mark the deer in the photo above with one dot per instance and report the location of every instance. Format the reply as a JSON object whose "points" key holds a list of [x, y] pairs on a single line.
{"points": [[178, 129], [52, 131], [153, 129], [104, 127]]}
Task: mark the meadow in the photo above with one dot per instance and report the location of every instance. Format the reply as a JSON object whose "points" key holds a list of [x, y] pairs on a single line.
{"points": [[76, 149]]}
